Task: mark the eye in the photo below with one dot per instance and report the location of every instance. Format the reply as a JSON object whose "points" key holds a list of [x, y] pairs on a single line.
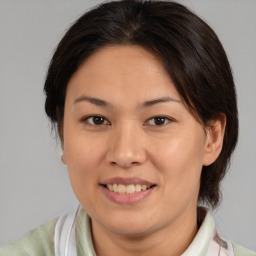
{"points": [[159, 120], [95, 120]]}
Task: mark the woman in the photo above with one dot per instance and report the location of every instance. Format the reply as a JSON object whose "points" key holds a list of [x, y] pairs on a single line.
{"points": [[143, 98]]}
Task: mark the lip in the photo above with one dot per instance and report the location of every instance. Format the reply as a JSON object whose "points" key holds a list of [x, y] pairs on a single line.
{"points": [[127, 198], [126, 181]]}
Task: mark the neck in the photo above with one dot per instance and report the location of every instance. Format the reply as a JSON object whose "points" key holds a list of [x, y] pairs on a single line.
{"points": [[172, 240]]}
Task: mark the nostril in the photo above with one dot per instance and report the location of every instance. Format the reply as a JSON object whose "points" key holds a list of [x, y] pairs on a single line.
{"points": [[124, 165]]}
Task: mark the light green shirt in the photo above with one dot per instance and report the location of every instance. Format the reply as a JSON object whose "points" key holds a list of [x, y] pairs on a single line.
{"points": [[40, 241]]}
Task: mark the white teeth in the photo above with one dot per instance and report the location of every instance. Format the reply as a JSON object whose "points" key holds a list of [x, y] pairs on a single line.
{"points": [[121, 189], [138, 187], [143, 187], [114, 188], [129, 189], [110, 187]]}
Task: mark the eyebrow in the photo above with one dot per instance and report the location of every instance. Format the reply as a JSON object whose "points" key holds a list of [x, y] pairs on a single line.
{"points": [[95, 101], [103, 103], [159, 100]]}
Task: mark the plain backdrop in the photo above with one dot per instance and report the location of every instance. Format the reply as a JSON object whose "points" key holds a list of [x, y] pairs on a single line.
{"points": [[34, 185]]}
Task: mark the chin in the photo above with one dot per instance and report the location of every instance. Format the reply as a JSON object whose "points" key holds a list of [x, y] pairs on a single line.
{"points": [[130, 231], [129, 225]]}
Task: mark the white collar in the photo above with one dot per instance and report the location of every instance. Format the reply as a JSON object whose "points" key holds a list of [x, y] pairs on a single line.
{"points": [[200, 243]]}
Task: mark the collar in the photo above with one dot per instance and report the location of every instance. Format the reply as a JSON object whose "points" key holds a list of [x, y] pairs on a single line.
{"points": [[200, 243]]}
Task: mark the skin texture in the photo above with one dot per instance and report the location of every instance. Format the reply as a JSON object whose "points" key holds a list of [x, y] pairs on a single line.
{"points": [[129, 142]]}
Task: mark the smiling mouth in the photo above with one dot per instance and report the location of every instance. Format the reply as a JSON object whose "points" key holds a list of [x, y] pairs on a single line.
{"points": [[127, 189]]}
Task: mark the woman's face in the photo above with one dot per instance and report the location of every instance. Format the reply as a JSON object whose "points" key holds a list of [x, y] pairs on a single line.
{"points": [[134, 152]]}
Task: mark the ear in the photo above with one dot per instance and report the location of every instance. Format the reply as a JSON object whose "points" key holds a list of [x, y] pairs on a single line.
{"points": [[63, 155], [63, 158], [60, 132], [214, 139]]}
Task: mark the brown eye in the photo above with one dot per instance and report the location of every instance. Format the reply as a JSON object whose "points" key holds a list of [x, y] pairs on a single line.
{"points": [[98, 120], [159, 121], [95, 120]]}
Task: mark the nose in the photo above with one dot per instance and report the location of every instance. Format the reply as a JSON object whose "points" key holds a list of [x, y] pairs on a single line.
{"points": [[126, 146]]}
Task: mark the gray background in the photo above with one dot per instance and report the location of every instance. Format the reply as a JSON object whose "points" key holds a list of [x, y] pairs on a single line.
{"points": [[34, 185]]}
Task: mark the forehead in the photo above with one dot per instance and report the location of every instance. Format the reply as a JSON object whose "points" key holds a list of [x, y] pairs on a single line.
{"points": [[124, 72]]}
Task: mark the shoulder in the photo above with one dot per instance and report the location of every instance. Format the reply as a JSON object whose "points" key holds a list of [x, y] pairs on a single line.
{"points": [[241, 251], [39, 241]]}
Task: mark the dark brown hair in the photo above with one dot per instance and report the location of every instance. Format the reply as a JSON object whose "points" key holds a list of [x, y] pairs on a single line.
{"points": [[189, 50]]}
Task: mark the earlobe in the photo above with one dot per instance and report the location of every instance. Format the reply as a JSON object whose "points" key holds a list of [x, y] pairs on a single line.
{"points": [[63, 158], [214, 139]]}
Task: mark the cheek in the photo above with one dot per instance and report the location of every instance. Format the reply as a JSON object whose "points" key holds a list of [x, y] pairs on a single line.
{"points": [[180, 161], [179, 155], [81, 150], [83, 159]]}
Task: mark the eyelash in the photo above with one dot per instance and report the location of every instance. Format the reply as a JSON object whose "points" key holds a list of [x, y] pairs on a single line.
{"points": [[166, 120], [93, 117], [106, 122]]}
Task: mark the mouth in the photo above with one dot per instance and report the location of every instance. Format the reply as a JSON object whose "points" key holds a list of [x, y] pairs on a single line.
{"points": [[127, 189]]}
